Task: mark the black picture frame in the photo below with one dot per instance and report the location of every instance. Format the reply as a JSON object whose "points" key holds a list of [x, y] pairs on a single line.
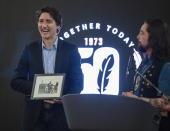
{"points": [[48, 86]]}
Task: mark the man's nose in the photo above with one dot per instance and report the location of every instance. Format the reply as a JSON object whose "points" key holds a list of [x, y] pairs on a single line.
{"points": [[137, 36], [44, 24]]}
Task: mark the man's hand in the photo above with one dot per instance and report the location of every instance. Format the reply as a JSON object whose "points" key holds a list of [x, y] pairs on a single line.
{"points": [[160, 103], [129, 94], [166, 107], [53, 101], [157, 102]]}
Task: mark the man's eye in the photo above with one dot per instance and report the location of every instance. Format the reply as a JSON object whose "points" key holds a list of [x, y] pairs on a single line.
{"points": [[40, 21], [49, 21]]}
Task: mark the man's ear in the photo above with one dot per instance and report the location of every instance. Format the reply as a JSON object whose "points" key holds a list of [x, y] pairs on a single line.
{"points": [[58, 29]]}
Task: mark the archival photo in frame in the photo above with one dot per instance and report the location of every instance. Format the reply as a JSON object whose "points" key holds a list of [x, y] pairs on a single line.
{"points": [[47, 86]]}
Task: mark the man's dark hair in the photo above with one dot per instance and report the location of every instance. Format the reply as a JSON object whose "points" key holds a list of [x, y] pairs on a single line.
{"points": [[54, 13], [159, 39]]}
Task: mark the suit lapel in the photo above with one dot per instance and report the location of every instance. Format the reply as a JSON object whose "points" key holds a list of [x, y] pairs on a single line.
{"points": [[39, 57], [59, 54]]}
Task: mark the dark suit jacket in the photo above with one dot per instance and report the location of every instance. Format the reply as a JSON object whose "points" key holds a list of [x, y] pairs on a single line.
{"points": [[30, 63]]}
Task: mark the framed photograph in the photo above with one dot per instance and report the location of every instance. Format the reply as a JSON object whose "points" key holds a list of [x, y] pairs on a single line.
{"points": [[48, 86]]}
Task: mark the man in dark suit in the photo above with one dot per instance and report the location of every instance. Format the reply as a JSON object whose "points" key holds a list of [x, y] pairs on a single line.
{"points": [[48, 55]]}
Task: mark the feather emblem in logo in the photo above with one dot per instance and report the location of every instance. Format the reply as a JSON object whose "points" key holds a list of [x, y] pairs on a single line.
{"points": [[103, 77]]}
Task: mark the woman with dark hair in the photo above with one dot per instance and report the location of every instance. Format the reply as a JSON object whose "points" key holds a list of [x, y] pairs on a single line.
{"points": [[154, 43]]}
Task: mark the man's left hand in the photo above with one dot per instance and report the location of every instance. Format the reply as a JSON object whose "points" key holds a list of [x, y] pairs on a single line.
{"points": [[53, 101]]}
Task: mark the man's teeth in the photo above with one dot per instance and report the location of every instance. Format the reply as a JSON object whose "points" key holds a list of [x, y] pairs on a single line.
{"points": [[45, 30]]}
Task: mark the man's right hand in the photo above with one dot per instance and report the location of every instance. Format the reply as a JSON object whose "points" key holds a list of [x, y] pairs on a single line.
{"points": [[53, 101]]}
